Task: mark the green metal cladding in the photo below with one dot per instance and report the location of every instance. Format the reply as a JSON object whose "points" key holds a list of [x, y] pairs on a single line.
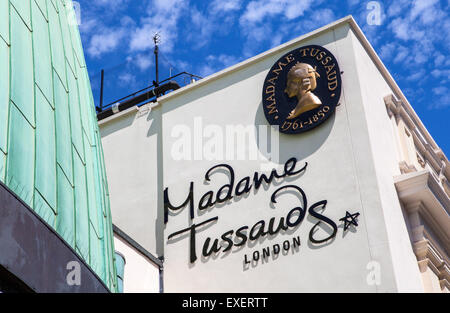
{"points": [[50, 148]]}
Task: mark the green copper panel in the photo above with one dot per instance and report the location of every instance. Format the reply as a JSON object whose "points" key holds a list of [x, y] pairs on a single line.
{"points": [[42, 54], [77, 46], [50, 151], [111, 268], [63, 134], [42, 5], [85, 92], [4, 21], [105, 194], [45, 150], [2, 166], [57, 47], [65, 224], [75, 118], [93, 214], [95, 252], [22, 83], [23, 8], [68, 51], [20, 157], [43, 209], [81, 204], [4, 94], [54, 4], [100, 196]]}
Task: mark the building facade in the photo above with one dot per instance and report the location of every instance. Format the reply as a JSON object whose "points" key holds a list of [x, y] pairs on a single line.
{"points": [[55, 223], [302, 169]]}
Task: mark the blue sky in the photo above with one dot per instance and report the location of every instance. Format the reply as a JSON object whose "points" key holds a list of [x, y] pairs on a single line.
{"points": [[203, 37]]}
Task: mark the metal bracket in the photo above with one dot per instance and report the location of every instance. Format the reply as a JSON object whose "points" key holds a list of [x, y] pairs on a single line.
{"points": [[115, 107]]}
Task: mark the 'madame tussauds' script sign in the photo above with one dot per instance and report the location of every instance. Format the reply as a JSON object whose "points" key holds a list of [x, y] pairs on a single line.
{"points": [[239, 235], [302, 89]]}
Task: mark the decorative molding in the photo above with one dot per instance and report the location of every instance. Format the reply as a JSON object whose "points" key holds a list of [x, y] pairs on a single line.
{"points": [[420, 160], [444, 277], [427, 151], [429, 257], [427, 206], [406, 168], [424, 199]]}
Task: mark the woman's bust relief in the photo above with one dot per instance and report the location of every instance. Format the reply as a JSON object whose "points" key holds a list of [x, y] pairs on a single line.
{"points": [[300, 83]]}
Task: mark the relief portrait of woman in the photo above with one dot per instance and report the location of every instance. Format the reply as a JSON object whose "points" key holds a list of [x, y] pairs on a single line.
{"points": [[301, 83]]}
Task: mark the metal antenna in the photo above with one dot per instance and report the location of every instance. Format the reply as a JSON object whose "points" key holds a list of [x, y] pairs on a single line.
{"points": [[156, 40]]}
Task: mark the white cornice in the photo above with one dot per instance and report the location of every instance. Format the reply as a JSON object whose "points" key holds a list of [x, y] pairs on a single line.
{"points": [[428, 247], [133, 109], [420, 192], [428, 257]]}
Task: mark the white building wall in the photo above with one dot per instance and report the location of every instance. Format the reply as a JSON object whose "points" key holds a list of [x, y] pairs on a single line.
{"points": [[384, 150], [140, 274]]}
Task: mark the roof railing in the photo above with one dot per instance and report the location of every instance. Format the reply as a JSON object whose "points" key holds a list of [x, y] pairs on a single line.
{"points": [[102, 107]]}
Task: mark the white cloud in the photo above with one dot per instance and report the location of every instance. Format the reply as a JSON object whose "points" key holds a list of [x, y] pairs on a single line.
{"points": [[397, 7], [105, 42], [88, 25], [387, 51], [107, 39], [162, 17], [352, 2], [215, 63], [202, 28], [225, 6], [112, 4], [401, 54], [297, 8], [441, 100], [422, 6], [319, 18], [439, 59], [441, 73], [143, 61], [405, 30], [421, 73], [272, 21], [440, 91], [422, 32], [127, 78], [257, 10]]}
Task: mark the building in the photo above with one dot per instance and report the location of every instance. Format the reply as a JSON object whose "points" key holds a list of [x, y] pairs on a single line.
{"points": [[55, 221], [355, 196]]}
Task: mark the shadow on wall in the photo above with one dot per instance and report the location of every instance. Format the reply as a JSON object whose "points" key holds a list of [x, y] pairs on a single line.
{"points": [[155, 120], [300, 146], [118, 124]]}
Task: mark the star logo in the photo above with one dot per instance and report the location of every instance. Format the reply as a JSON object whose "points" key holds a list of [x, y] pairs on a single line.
{"points": [[350, 219]]}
